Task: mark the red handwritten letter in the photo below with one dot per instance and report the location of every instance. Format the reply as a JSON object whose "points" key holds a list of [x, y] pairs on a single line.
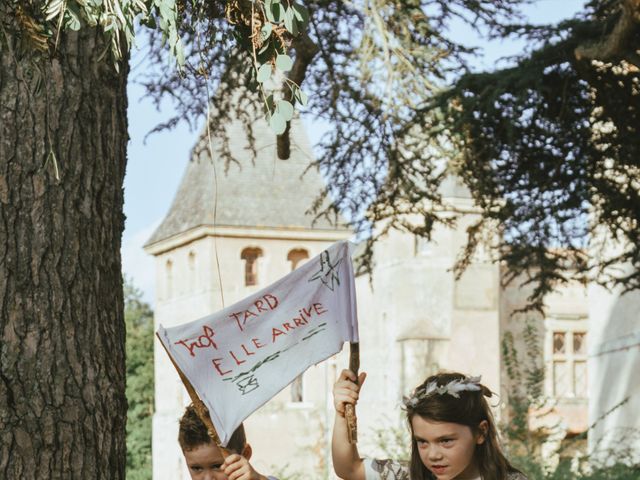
{"points": [[236, 315], [271, 300], [319, 308], [216, 364]]}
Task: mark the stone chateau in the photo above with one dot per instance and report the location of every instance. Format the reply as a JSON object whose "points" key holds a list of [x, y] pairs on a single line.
{"points": [[232, 232]]}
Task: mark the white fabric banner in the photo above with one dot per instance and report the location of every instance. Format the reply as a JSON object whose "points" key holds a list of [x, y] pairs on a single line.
{"points": [[239, 358]]}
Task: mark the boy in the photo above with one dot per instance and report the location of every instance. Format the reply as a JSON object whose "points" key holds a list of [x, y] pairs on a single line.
{"points": [[204, 459]]}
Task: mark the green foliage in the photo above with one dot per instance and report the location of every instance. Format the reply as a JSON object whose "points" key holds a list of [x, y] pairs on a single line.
{"points": [[277, 123], [525, 370], [549, 149], [42, 23], [619, 471], [293, 17], [139, 349], [526, 374], [265, 29]]}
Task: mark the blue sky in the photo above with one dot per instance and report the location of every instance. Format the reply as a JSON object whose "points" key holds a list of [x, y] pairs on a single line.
{"points": [[155, 168]]}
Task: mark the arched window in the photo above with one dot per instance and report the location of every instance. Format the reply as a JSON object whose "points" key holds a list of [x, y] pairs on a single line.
{"points": [[297, 256], [250, 256], [168, 291]]}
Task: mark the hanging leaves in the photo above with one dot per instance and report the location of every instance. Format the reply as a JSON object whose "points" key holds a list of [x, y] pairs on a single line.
{"points": [[284, 63], [301, 97], [285, 109], [265, 28], [54, 9], [264, 73], [274, 10], [277, 123], [272, 24], [117, 18]]}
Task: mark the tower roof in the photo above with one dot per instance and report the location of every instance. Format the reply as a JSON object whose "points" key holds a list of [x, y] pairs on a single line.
{"points": [[268, 192]]}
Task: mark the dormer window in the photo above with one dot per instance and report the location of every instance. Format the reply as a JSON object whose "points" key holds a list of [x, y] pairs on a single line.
{"points": [[250, 256]]}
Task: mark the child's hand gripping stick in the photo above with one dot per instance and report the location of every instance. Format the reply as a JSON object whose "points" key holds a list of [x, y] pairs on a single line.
{"points": [[350, 410]]}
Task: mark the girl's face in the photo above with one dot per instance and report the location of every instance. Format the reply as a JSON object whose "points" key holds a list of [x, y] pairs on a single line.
{"points": [[447, 449]]}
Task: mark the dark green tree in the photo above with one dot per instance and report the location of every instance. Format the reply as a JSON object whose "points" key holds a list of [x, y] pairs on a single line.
{"points": [[138, 318], [550, 149]]}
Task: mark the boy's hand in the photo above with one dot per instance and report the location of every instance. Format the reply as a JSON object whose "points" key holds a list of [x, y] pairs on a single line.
{"points": [[346, 390], [236, 467]]}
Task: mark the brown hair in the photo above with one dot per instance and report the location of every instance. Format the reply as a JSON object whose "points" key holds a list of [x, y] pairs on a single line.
{"points": [[469, 409], [193, 433]]}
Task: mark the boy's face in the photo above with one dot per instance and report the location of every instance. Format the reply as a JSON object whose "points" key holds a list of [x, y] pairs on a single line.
{"points": [[204, 462]]}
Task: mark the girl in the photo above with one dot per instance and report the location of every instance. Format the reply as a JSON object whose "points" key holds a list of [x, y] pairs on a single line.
{"points": [[453, 435]]}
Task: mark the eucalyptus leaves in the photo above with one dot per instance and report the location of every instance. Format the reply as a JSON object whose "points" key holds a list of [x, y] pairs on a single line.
{"points": [[266, 29], [274, 24], [117, 19]]}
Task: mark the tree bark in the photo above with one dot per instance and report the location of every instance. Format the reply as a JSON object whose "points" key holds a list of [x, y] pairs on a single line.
{"points": [[62, 331]]}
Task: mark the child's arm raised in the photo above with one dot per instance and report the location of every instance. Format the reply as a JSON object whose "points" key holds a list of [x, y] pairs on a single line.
{"points": [[346, 461]]}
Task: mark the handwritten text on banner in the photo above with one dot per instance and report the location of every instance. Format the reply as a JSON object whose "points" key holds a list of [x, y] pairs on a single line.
{"points": [[239, 358]]}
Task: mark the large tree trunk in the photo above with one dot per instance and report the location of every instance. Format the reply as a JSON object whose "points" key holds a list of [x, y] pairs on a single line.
{"points": [[62, 331]]}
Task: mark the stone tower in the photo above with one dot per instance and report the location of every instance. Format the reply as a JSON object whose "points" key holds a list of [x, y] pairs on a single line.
{"points": [[233, 229]]}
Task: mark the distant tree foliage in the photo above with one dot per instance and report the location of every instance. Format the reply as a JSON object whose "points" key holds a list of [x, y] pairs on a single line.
{"points": [[139, 350]]}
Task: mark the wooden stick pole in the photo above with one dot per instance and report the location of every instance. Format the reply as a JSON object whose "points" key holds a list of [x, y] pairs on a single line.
{"points": [[350, 410], [201, 409]]}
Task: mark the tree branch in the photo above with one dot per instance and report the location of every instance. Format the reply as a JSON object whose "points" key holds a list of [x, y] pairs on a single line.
{"points": [[305, 49], [616, 43]]}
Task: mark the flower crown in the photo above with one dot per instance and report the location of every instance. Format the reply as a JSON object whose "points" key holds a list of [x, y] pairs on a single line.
{"points": [[453, 388]]}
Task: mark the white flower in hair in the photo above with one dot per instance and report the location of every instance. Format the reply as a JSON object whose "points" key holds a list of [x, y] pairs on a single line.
{"points": [[453, 388]]}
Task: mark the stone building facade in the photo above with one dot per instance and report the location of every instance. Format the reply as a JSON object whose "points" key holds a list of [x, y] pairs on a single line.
{"points": [[229, 234]]}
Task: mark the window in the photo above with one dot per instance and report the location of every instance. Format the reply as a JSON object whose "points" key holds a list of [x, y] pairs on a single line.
{"points": [[569, 364], [192, 271], [250, 257], [296, 390], [297, 257], [168, 291]]}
